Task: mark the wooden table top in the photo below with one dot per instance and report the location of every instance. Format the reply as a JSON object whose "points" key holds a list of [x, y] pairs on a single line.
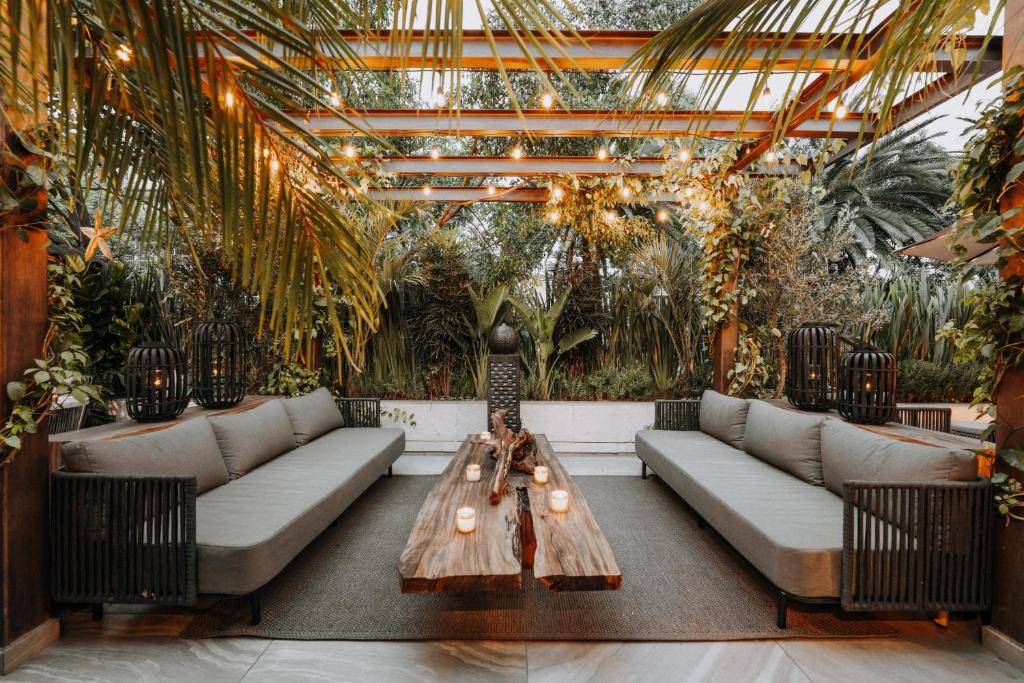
{"points": [[567, 550]]}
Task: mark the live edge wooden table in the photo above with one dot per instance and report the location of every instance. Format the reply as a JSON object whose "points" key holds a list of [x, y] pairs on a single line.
{"points": [[567, 550]]}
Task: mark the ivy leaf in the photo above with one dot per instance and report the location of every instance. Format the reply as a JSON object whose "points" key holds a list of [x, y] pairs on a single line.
{"points": [[16, 390], [12, 441]]}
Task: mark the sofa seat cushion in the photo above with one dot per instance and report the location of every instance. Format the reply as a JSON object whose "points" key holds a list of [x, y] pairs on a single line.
{"points": [[189, 448], [250, 438], [724, 417], [786, 439], [850, 453], [790, 531], [248, 530], [313, 415]]}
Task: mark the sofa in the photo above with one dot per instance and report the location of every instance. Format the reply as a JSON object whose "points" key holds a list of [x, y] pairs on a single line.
{"points": [[212, 505], [827, 511]]}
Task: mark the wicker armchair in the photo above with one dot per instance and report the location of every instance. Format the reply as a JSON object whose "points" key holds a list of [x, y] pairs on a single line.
{"points": [[907, 546], [360, 412]]}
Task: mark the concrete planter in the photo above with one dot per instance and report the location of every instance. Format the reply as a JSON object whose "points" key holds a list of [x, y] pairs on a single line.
{"points": [[571, 426]]}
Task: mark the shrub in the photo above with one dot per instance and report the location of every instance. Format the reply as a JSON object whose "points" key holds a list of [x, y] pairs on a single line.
{"points": [[612, 382], [922, 381]]}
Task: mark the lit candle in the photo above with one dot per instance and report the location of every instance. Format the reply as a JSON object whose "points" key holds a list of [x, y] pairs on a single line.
{"points": [[558, 501], [158, 378], [540, 474], [465, 520], [472, 472], [485, 435]]}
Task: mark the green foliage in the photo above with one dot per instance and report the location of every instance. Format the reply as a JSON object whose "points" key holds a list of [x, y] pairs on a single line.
{"points": [[615, 383], [291, 379], [922, 381], [541, 322], [399, 416]]}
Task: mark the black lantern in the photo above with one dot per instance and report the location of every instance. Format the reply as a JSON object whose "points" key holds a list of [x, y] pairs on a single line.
{"points": [[867, 386], [218, 370], [812, 359], [156, 378]]}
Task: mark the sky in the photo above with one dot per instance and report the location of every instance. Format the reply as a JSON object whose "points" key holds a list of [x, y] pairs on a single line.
{"points": [[948, 128]]}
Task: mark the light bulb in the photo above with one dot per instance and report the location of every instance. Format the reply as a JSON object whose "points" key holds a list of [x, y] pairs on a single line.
{"points": [[335, 100], [491, 190], [770, 157], [547, 100], [703, 206], [661, 216], [435, 152], [275, 165], [229, 99], [426, 191], [124, 53], [517, 152], [689, 192], [767, 92], [841, 110], [611, 216], [684, 154], [626, 193], [553, 216], [602, 153], [558, 193], [662, 98], [350, 151]]}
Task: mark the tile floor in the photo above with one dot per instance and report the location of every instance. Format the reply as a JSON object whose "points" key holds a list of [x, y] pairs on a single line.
{"points": [[139, 647]]}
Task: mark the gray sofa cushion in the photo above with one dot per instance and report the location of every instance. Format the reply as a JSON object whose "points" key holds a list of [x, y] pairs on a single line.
{"points": [[312, 415], [723, 417], [247, 531], [184, 449], [787, 439], [251, 438], [790, 531], [850, 453]]}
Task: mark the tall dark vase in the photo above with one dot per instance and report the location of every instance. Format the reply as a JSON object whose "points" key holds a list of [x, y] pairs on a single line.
{"points": [[867, 386], [218, 364], [812, 362], [156, 381]]}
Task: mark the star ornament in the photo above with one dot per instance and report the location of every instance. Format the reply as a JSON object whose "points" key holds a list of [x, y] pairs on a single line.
{"points": [[98, 236]]}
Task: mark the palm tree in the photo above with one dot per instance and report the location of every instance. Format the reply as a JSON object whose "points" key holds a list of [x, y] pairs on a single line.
{"points": [[895, 194]]}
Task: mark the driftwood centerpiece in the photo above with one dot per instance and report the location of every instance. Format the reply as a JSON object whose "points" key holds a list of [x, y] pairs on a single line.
{"points": [[512, 451]]}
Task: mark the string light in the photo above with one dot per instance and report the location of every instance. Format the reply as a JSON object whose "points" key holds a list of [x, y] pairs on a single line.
{"points": [[684, 154], [662, 98], [770, 157], [435, 152], [602, 153], [266, 152], [661, 216], [703, 206], [626, 192], [553, 216], [426, 191], [335, 100], [275, 165], [229, 99], [611, 216], [841, 110], [517, 152], [688, 192], [547, 100], [124, 53], [767, 92], [491, 190], [558, 193], [350, 151]]}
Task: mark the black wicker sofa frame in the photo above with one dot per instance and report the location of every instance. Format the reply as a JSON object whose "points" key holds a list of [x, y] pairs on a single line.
{"points": [[922, 547]]}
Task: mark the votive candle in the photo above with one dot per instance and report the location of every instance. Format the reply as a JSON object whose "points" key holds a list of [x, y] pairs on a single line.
{"points": [[558, 501], [465, 520], [472, 472], [540, 474]]}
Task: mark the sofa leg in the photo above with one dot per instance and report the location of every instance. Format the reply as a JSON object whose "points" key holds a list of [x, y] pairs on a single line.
{"points": [[781, 609], [390, 471], [643, 470], [97, 612], [255, 614]]}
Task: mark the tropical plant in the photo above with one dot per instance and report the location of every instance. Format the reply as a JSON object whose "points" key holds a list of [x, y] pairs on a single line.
{"points": [[540, 322], [489, 311]]}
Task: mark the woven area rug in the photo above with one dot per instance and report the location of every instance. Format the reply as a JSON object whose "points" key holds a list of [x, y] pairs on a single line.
{"points": [[679, 583]]}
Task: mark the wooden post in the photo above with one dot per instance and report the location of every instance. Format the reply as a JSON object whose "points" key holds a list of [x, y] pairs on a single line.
{"points": [[723, 344], [1008, 588]]}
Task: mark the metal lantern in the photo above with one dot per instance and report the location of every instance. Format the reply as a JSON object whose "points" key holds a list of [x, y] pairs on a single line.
{"points": [[867, 386], [156, 379], [218, 368], [812, 358], [503, 339]]}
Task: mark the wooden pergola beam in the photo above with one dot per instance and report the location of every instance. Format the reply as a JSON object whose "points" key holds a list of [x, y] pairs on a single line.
{"points": [[592, 50], [575, 123], [470, 195]]}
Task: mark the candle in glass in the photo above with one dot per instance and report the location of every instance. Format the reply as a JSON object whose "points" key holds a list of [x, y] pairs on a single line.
{"points": [[540, 474], [558, 501], [465, 520], [472, 472]]}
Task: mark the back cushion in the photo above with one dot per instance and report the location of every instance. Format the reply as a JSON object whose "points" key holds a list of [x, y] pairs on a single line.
{"points": [[251, 438], [185, 449], [787, 439], [723, 417], [313, 415], [851, 453]]}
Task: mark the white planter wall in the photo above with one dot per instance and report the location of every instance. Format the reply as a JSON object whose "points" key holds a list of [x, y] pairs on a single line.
{"points": [[571, 426]]}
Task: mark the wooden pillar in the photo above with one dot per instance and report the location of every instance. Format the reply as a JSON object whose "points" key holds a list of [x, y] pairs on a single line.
{"points": [[723, 344], [1008, 602]]}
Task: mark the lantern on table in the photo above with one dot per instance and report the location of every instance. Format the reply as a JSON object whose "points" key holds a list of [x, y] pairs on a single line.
{"points": [[867, 386], [156, 382], [218, 368], [812, 358]]}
